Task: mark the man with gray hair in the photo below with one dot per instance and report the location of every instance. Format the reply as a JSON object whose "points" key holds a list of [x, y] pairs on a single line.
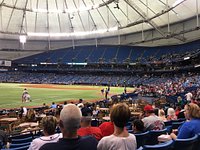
{"points": [[70, 118]]}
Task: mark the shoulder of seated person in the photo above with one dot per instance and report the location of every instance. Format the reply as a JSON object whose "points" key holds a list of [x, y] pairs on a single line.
{"points": [[87, 138], [48, 146]]}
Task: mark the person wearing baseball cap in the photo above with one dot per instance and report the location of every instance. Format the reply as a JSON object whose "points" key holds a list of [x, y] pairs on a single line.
{"points": [[152, 121], [148, 108]]}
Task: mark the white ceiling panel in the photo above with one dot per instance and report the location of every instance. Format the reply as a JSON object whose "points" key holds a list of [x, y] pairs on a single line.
{"points": [[111, 17]]}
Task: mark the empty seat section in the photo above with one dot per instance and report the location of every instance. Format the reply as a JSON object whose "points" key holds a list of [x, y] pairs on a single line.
{"points": [[95, 55], [135, 54], [109, 54], [83, 54], [123, 54], [57, 55], [68, 58]]}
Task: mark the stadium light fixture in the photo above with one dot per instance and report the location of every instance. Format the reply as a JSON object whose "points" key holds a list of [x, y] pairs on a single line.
{"points": [[22, 39], [196, 66], [186, 58]]}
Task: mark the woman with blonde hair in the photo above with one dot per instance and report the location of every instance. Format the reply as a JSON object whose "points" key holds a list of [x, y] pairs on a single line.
{"points": [[171, 114], [161, 114], [120, 139], [192, 126]]}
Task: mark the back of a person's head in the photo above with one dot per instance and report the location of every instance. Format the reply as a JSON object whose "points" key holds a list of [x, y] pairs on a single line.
{"points": [[49, 124], [80, 100], [57, 112], [70, 116], [139, 125], [86, 121], [120, 114], [148, 109], [193, 110], [161, 113], [170, 112]]}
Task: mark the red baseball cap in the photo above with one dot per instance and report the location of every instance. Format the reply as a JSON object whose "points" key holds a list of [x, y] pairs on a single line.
{"points": [[148, 108]]}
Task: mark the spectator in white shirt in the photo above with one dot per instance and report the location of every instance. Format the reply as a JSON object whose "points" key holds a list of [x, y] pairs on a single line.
{"points": [[120, 139], [49, 124]]}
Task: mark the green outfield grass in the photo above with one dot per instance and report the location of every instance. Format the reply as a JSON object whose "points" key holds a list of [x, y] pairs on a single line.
{"points": [[10, 94]]}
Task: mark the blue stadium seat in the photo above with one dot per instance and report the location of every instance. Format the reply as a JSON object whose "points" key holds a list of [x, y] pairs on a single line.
{"points": [[22, 140], [18, 148], [21, 136], [181, 119], [176, 125], [197, 144], [185, 144], [168, 123], [163, 146], [141, 138], [19, 145], [154, 136], [169, 129]]}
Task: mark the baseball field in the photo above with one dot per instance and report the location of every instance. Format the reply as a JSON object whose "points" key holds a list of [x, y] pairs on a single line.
{"points": [[11, 93]]}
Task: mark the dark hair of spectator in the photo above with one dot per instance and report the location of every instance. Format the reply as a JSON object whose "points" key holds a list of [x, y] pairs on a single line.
{"points": [[120, 114], [80, 100], [139, 125]]}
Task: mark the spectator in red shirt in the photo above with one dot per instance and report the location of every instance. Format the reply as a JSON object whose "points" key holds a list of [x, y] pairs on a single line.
{"points": [[86, 128], [107, 128]]}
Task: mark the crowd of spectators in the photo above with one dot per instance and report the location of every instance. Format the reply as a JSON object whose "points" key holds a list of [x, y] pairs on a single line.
{"points": [[73, 126], [180, 89], [75, 121], [164, 84]]}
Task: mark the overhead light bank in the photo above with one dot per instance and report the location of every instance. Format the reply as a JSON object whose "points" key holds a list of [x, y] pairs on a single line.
{"points": [[22, 39]]}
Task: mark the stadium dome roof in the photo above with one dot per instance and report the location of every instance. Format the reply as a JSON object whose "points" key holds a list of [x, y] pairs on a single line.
{"points": [[125, 22]]}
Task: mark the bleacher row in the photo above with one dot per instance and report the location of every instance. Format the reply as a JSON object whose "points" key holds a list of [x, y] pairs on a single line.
{"points": [[22, 141], [113, 80], [145, 141], [178, 144], [111, 54]]}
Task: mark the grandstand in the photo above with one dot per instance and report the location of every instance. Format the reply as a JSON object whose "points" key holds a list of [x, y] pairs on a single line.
{"points": [[133, 51]]}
